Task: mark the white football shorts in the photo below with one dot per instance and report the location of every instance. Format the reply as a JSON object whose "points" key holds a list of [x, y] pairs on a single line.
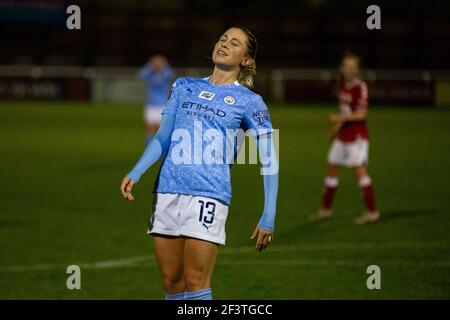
{"points": [[152, 114], [191, 216], [349, 154]]}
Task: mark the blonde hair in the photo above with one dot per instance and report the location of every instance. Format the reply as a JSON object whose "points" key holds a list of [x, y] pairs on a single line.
{"points": [[247, 73], [352, 56]]}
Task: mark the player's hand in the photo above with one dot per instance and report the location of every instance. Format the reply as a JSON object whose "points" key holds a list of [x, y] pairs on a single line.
{"points": [[335, 118], [263, 238], [125, 188], [332, 133]]}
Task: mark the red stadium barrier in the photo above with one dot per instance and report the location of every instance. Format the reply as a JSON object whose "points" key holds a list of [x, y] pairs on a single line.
{"points": [[415, 92], [21, 88]]}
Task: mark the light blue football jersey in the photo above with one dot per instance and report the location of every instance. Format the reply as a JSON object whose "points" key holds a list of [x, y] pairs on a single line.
{"points": [[158, 84], [199, 106]]}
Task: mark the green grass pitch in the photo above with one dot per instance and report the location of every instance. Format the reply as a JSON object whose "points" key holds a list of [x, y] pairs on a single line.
{"points": [[62, 163]]}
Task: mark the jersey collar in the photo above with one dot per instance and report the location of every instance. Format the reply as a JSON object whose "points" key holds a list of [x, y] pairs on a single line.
{"points": [[236, 83]]}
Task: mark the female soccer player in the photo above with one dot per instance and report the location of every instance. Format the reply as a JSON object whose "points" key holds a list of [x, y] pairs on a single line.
{"points": [[351, 141], [158, 76], [193, 191]]}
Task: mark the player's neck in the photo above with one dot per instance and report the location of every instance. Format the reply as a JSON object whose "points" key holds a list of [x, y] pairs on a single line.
{"points": [[222, 77], [352, 82]]}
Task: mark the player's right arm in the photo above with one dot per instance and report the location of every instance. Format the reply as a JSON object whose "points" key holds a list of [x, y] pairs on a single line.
{"points": [[157, 146], [359, 114], [334, 130], [152, 153], [360, 111]]}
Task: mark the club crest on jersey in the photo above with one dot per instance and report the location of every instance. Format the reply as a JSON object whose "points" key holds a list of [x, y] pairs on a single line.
{"points": [[206, 95], [229, 100]]}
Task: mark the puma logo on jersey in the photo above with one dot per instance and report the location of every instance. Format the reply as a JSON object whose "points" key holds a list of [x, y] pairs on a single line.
{"points": [[206, 95]]}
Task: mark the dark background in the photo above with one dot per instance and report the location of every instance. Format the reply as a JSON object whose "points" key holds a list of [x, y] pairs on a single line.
{"points": [[310, 33]]}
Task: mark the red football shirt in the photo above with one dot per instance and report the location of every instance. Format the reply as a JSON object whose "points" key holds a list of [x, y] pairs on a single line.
{"points": [[353, 97]]}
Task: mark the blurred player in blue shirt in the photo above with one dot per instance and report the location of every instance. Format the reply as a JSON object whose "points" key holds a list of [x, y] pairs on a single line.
{"points": [[193, 187], [158, 75]]}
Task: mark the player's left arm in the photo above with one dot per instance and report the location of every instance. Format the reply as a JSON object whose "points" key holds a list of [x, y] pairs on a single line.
{"points": [[268, 157], [168, 72], [257, 118], [144, 73]]}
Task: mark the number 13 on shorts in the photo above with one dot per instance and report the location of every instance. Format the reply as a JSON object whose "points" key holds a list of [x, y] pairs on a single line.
{"points": [[210, 218], [206, 212]]}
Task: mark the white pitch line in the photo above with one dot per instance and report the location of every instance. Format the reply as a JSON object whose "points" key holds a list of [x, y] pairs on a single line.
{"points": [[35, 267], [149, 260], [127, 262], [116, 263]]}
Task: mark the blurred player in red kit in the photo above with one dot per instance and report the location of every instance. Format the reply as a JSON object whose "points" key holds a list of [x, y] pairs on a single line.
{"points": [[350, 146]]}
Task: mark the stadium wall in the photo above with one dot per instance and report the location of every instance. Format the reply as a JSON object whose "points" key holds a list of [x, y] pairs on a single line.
{"points": [[121, 85]]}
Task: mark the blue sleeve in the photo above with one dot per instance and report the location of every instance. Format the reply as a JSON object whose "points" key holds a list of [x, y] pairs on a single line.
{"points": [[167, 73], [257, 117], [155, 149], [144, 73], [268, 156]]}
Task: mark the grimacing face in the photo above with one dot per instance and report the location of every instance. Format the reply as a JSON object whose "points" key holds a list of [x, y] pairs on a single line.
{"points": [[349, 69], [231, 49]]}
